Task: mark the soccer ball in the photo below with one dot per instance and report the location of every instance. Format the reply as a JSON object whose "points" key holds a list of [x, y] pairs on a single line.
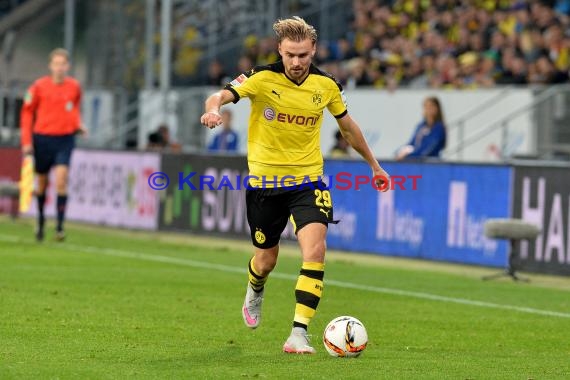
{"points": [[345, 336]]}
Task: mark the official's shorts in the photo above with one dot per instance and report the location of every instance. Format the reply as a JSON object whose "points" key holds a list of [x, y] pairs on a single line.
{"points": [[50, 151], [269, 209]]}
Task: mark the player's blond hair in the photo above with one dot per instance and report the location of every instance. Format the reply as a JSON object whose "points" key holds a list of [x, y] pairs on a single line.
{"points": [[296, 29], [59, 52]]}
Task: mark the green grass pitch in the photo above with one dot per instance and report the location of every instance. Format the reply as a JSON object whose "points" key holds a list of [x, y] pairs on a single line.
{"points": [[110, 304]]}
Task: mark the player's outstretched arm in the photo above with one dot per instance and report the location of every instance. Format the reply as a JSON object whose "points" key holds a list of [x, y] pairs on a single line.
{"points": [[353, 135], [211, 117]]}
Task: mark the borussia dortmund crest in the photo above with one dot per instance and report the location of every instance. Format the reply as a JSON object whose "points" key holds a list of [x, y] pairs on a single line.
{"points": [[317, 98]]}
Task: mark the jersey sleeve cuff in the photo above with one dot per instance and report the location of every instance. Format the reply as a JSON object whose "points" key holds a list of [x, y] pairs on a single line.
{"points": [[233, 91], [340, 116]]}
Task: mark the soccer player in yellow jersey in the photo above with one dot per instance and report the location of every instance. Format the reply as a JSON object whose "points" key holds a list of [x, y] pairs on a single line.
{"points": [[287, 102]]}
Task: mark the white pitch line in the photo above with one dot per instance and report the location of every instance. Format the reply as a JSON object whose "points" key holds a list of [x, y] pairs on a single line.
{"points": [[340, 284]]}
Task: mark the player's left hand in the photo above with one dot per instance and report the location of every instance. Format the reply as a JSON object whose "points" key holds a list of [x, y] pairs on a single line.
{"points": [[381, 178], [82, 131], [211, 119]]}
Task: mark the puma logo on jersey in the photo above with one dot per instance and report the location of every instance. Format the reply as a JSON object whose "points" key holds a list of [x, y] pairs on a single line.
{"points": [[324, 212], [276, 93]]}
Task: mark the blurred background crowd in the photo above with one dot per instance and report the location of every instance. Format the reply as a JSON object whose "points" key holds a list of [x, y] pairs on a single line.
{"points": [[436, 44], [146, 65]]}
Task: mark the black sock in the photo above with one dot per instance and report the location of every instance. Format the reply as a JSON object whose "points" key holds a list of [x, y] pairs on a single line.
{"points": [[301, 325], [61, 204], [41, 202]]}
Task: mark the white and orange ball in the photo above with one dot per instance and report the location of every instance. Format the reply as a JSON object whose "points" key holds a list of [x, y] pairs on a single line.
{"points": [[345, 336]]}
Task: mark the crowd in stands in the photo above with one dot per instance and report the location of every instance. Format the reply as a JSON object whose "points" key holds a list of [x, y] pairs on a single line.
{"points": [[439, 44]]}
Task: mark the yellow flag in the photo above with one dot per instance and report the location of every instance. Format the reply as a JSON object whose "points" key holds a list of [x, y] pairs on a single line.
{"points": [[26, 183]]}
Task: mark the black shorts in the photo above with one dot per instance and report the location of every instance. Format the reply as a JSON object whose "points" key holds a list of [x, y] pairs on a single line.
{"points": [[269, 209], [52, 150]]}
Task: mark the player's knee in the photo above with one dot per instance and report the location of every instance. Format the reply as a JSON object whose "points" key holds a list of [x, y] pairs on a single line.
{"points": [[42, 187], [264, 267], [42, 183], [315, 252], [61, 187], [265, 261]]}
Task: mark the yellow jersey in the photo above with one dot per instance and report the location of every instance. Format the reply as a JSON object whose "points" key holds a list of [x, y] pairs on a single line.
{"points": [[283, 144]]}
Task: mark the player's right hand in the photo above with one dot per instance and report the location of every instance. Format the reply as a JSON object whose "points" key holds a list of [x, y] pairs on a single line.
{"points": [[211, 119], [382, 179], [27, 150]]}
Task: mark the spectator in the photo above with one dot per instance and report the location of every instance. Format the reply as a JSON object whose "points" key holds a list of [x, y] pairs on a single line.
{"points": [[514, 73], [358, 75], [267, 51], [558, 49], [345, 50], [543, 72], [216, 74], [323, 54], [244, 64], [160, 141], [422, 80], [419, 44], [154, 142], [251, 47], [429, 138], [469, 62], [227, 140], [168, 144], [413, 75], [340, 148], [487, 72]]}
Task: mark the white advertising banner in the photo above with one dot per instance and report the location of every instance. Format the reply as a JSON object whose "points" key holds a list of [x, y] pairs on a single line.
{"points": [[109, 188], [97, 115], [388, 120]]}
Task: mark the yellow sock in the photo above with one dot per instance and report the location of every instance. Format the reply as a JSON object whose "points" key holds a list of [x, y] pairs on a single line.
{"points": [[308, 293], [255, 279]]}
